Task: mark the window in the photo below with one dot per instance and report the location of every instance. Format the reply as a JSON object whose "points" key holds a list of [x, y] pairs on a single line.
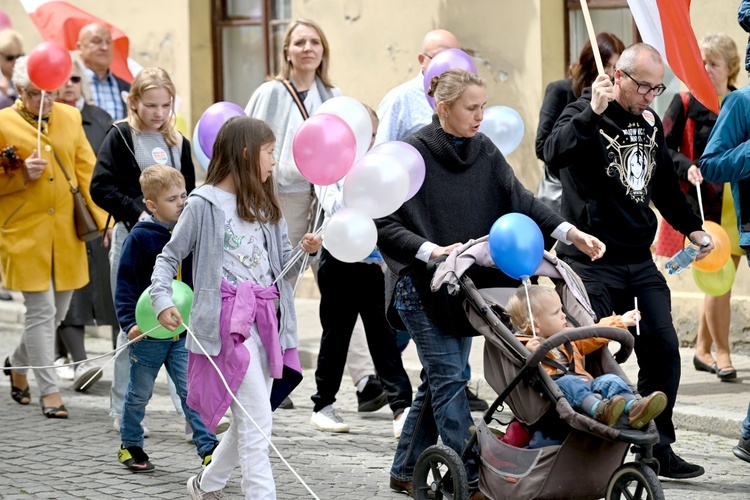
{"points": [[613, 16], [247, 37]]}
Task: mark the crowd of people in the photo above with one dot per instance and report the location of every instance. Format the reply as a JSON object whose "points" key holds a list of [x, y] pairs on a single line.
{"points": [[607, 157]]}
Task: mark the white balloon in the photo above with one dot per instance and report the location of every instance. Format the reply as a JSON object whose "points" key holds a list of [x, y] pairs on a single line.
{"points": [[504, 127], [377, 185], [355, 115], [350, 235]]}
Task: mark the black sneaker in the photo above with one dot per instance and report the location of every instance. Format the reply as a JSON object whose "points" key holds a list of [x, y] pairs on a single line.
{"points": [[742, 450], [372, 397], [476, 404], [135, 459], [672, 466]]}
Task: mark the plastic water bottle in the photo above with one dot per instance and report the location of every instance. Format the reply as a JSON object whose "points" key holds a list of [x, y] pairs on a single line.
{"points": [[682, 259]]}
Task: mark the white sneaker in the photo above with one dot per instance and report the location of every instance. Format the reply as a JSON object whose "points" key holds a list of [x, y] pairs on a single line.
{"points": [[223, 425], [116, 423], [64, 372], [86, 376], [196, 493], [328, 420], [398, 423]]}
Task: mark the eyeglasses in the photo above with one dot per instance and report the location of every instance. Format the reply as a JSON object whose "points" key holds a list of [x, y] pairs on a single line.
{"points": [[10, 58], [34, 95], [74, 79], [644, 89], [428, 56]]}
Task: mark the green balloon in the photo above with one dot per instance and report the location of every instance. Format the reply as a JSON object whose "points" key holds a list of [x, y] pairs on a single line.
{"points": [[716, 283], [145, 316]]}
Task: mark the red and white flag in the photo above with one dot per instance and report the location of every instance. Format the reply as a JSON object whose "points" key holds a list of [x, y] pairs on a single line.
{"points": [[61, 22], [665, 24]]}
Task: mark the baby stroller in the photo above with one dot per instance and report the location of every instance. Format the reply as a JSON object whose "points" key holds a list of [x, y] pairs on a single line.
{"points": [[589, 462]]}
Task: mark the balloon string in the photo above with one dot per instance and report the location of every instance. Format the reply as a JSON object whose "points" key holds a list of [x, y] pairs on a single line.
{"points": [[295, 257], [700, 201], [638, 322], [528, 304], [234, 398], [39, 128], [303, 268]]}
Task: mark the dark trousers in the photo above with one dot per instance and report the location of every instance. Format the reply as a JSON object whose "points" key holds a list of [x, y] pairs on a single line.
{"points": [[612, 289], [347, 291]]}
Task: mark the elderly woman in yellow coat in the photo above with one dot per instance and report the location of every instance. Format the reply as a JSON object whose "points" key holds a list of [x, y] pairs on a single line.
{"points": [[40, 253]]}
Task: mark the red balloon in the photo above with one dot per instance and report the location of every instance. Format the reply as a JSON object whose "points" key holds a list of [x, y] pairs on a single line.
{"points": [[49, 66]]}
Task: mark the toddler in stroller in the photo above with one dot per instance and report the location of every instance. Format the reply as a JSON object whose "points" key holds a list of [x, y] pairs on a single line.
{"points": [[586, 461], [605, 397]]}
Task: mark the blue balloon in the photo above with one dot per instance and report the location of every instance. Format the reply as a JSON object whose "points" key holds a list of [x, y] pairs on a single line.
{"points": [[199, 154], [516, 245]]}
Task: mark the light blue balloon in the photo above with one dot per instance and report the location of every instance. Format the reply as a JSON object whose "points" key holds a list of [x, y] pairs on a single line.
{"points": [[504, 127], [199, 154]]}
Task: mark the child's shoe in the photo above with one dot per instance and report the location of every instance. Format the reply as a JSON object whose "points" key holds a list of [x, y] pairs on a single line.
{"points": [[609, 410], [135, 459], [208, 456], [195, 491], [644, 410]]}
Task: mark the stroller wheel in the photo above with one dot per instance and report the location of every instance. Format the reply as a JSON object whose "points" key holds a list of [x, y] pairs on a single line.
{"points": [[634, 481], [440, 473]]}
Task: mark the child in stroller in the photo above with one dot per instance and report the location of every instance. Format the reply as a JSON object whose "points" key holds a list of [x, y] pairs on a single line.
{"points": [[605, 397]]}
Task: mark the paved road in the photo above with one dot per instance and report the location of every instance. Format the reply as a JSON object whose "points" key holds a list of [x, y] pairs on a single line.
{"points": [[76, 458]]}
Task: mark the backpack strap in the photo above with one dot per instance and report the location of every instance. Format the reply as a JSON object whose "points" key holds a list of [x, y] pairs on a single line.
{"points": [[295, 95]]}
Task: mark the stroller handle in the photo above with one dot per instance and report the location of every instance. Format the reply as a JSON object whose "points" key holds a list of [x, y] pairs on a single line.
{"points": [[433, 264], [624, 337]]}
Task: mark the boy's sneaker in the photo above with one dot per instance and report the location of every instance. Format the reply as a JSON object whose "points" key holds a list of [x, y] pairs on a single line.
{"points": [[742, 450], [644, 410], [196, 493], [64, 372], [609, 410], [135, 459], [328, 420], [86, 376], [117, 422], [209, 456]]}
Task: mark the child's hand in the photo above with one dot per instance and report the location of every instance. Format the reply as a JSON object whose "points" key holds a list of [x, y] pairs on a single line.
{"points": [[170, 318], [311, 243], [630, 318], [134, 333], [533, 344]]}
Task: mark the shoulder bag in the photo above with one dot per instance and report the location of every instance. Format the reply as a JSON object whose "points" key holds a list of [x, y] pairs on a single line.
{"points": [[86, 227]]}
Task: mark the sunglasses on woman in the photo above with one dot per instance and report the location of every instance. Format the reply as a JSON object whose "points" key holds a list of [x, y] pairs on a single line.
{"points": [[74, 79]]}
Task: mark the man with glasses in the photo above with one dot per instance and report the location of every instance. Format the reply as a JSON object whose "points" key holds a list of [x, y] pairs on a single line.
{"points": [[11, 48], [608, 148], [97, 51]]}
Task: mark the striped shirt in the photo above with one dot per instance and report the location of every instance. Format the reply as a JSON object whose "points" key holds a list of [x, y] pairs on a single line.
{"points": [[106, 94]]}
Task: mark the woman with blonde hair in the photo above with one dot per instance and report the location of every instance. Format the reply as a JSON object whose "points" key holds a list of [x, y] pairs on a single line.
{"points": [[687, 126], [146, 137], [284, 102]]}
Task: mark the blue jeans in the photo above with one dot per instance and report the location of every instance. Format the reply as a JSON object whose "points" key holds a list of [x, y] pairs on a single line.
{"points": [[146, 358], [440, 407], [577, 389], [745, 433]]}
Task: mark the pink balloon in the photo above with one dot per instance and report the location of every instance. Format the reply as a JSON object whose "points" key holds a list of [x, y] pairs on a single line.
{"points": [[324, 148], [409, 158], [442, 62], [4, 20]]}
